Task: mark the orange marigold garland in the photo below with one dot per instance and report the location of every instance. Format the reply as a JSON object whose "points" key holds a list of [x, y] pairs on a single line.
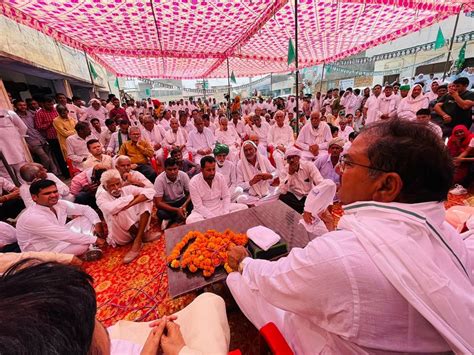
{"points": [[207, 252]]}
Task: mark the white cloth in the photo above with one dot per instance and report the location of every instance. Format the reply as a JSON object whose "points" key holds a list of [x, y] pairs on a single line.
{"points": [[75, 112], [262, 236], [77, 150], [128, 338], [261, 132], [119, 222], [302, 181], [357, 309], [345, 133], [239, 127], [198, 141], [155, 136], [230, 137], [409, 105], [388, 105], [6, 186], [39, 229], [210, 201], [310, 136], [280, 136], [63, 190], [173, 139], [7, 234], [102, 114], [12, 129], [246, 172], [350, 103], [421, 260], [319, 198], [372, 106]]}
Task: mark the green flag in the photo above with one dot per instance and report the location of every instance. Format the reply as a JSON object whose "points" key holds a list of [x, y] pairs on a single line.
{"points": [[232, 78], [328, 69], [440, 41], [147, 92], [461, 57], [93, 72], [116, 83], [291, 52]]}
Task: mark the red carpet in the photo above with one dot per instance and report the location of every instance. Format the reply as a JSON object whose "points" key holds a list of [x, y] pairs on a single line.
{"points": [[139, 291]]}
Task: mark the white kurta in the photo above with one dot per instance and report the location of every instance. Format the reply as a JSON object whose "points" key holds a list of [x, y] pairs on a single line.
{"points": [[12, 129], [210, 201], [77, 150], [345, 133], [102, 114], [388, 105], [331, 297], [372, 105], [244, 182], [39, 229], [409, 106], [261, 132], [310, 136], [119, 222], [301, 182], [232, 140], [350, 103], [280, 136], [199, 141], [7, 234]]}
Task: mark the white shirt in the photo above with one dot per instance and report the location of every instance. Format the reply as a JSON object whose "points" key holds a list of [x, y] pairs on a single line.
{"points": [[156, 135], [114, 144], [102, 114], [301, 182], [388, 105], [63, 190], [12, 129], [209, 201], [255, 169], [350, 103], [229, 137], [239, 127], [7, 234], [229, 171], [345, 133], [309, 136], [39, 229], [372, 105], [5, 185], [280, 136], [198, 141], [75, 112], [77, 150], [261, 132]]}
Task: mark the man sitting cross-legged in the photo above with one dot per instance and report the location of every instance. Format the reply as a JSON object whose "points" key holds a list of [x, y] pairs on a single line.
{"points": [[43, 227], [127, 211], [210, 194], [130, 177], [172, 194]]}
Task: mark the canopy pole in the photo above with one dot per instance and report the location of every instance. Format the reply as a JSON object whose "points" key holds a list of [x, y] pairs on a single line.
{"points": [[297, 73], [452, 42], [271, 84], [228, 89], [322, 79]]}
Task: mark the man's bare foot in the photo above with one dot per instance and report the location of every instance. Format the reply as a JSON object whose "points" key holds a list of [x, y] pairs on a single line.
{"points": [[151, 236]]}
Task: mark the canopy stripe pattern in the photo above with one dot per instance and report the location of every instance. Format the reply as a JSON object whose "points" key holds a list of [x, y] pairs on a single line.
{"points": [[184, 39]]}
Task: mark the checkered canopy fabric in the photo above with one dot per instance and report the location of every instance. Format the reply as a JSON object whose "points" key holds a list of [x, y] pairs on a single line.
{"points": [[184, 39]]}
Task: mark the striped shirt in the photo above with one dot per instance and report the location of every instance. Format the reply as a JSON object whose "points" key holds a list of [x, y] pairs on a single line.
{"points": [[44, 123]]}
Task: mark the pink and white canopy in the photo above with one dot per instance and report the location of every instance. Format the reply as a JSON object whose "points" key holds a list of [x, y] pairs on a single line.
{"points": [[185, 39]]}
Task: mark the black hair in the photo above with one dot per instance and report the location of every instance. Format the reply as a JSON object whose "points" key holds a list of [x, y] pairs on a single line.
{"points": [[74, 98], [416, 154], [175, 151], [124, 121], [357, 91], [444, 86], [97, 174], [170, 162], [334, 129], [37, 186], [46, 308], [461, 81], [94, 119], [423, 111], [59, 94], [353, 135], [207, 159], [47, 99], [91, 141], [80, 126]]}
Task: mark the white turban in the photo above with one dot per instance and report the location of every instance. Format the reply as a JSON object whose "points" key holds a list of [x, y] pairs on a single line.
{"points": [[337, 141], [292, 151]]}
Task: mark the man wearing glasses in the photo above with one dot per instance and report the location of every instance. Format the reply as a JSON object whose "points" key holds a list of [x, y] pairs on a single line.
{"points": [[393, 277]]}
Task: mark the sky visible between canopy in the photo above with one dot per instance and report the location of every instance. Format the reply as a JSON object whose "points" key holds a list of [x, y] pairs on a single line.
{"points": [[191, 39]]}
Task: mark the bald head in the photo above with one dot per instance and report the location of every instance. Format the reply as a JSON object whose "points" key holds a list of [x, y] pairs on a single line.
{"points": [[32, 171], [279, 118], [315, 119]]}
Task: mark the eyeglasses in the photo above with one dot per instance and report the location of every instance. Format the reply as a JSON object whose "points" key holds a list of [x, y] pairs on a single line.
{"points": [[343, 162]]}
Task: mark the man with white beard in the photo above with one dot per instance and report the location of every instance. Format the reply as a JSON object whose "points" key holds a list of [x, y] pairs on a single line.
{"points": [[227, 135], [260, 128], [314, 136], [228, 169], [127, 211]]}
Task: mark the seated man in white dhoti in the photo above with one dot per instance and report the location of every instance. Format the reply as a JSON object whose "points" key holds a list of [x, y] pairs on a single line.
{"points": [[280, 138], [228, 170], [227, 135], [410, 269], [209, 193], [255, 174], [127, 211], [200, 141], [130, 177], [33, 172], [314, 136], [58, 316], [43, 227], [301, 176], [154, 134]]}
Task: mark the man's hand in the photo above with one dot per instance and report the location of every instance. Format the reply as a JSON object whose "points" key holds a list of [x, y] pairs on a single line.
{"points": [[75, 261], [256, 179], [157, 146], [173, 341], [447, 119], [452, 90], [328, 220], [314, 149], [100, 242], [308, 217], [266, 176], [281, 148], [181, 212], [99, 229], [152, 343], [236, 255]]}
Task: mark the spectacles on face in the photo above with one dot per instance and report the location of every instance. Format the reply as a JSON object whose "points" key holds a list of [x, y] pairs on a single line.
{"points": [[345, 162]]}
